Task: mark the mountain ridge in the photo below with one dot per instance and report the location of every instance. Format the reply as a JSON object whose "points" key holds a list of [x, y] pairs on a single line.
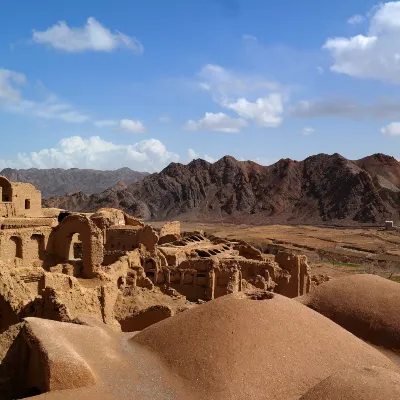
{"points": [[319, 189], [60, 181]]}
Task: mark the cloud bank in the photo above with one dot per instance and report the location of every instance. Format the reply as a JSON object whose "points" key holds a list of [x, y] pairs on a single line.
{"points": [[76, 152], [91, 37]]}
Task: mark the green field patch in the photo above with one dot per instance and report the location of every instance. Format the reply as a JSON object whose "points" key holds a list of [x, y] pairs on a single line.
{"points": [[341, 264]]}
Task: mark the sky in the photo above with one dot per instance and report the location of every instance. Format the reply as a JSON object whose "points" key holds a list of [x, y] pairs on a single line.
{"points": [[142, 83]]}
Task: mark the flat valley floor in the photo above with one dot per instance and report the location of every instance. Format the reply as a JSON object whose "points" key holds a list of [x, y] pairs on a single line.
{"points": [[331, 251]]}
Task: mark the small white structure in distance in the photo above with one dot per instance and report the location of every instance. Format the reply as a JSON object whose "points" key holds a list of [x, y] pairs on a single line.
{"points": [[389, 226]]}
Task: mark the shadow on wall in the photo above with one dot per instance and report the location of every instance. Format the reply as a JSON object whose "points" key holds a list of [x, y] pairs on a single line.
{"points": [[5, 190]]}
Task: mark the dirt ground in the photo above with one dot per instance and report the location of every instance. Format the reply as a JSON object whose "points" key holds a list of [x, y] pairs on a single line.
{"points": [[331, 251]]}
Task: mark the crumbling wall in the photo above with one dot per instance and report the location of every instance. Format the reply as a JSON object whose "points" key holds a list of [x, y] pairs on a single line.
{"points": [[170, 232], [194, 278], [77, 299], [32, 277], [145, 318], [173, 256], [27, 199], [300, 280], [91, 237], [26, 222], [7, 210], [227, 278], [107, 217], [122, 239], [19, 199], [148, 237], [260, 274], [24, 247], [15, 297], [132, 221], [232, 266], [248, 251]]}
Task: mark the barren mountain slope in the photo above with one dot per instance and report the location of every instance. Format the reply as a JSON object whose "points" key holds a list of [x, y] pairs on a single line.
{"points": [[319, 189], [59, 182]]}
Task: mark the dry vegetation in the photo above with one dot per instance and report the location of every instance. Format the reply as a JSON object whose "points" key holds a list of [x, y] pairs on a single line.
{"points": [[331, 251]]}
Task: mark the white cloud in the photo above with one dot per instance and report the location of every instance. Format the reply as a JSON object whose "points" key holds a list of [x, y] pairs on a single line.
{"points": [[52, 109], [223, 82], [192, 154], [264, 161], [12, 100], [375, 55], [91, 37], [48, 109], [251, 97], [265, 111], [123, 125], [307, 131], [105, 122], [356, 19], [7, 90], [346, 108], [259, 160], [131, 126], [216, 122], [320, 70], [209, 158], [392, 129], [76, 152], [249, 37]]}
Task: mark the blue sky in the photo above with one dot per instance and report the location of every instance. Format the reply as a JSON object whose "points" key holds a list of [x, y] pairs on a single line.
{"points": [[100, 84]]}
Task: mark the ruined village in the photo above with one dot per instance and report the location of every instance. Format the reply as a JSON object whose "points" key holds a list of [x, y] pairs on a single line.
{"points": [[200, 200], [102, 305]]}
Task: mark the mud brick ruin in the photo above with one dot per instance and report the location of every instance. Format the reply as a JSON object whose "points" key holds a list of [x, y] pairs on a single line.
{"points": [[85, 301], [58, 265]]}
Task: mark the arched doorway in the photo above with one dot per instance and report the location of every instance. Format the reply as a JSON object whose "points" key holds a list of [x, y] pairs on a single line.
{"points": [[5, 190], [77, 236], [75, 247], [150, 269]]}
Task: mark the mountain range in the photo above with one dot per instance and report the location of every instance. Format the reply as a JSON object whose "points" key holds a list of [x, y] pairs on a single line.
{"points": [[320, 189], [60, 182]]}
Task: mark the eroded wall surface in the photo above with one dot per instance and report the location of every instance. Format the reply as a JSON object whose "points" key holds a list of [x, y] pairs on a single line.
{"points": [[27, 199], [24, 246]]}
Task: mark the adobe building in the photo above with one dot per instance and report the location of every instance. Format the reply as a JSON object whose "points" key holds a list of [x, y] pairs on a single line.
{"points": [[58, 265], [19, 199]]}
